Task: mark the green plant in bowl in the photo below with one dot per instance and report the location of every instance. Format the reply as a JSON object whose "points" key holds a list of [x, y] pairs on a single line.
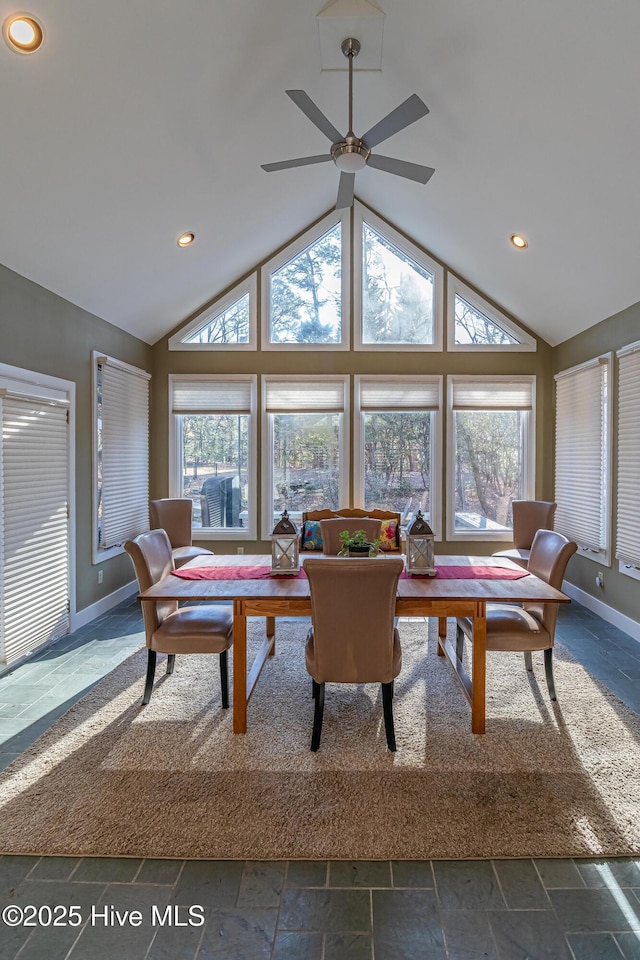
{"points": [[356, 544]]}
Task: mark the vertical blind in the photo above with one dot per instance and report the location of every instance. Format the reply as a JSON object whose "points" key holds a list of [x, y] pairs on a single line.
{"points": [[34, 522], [125, 452], [628, 518], [581, 484]]}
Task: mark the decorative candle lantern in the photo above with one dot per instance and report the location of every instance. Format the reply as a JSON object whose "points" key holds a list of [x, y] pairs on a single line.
{"points": [[284, 547], [420, 538]]}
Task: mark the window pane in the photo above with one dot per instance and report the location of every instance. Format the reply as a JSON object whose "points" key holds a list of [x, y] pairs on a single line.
{"points": [[306, 294], [215, 469], [488, 469], [397, 462], [230, 326], [473, 326], [306, 462], [397, 294]]}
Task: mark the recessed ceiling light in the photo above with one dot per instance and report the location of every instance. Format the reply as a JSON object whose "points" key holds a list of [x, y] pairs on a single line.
{"points": [[23, 33], [186, 239], [519, 241]]}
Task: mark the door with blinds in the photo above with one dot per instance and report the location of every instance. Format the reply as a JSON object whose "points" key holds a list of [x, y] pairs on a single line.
{"points": [[34, 525]]}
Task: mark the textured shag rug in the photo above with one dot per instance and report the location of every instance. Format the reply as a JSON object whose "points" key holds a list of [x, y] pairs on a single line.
{"points": [[172, 780]]}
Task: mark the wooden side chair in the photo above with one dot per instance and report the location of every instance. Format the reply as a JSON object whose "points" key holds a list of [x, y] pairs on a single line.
{"points": [[174, 516], [352, 637], [203, 629]]}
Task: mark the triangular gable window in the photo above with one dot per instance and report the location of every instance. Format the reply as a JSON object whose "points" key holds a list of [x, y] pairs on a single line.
{"points": [[474, 325], [230, 324]]}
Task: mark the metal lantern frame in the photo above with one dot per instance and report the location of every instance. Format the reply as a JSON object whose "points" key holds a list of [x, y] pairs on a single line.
{"points": [[285, 552], [420, 558]]}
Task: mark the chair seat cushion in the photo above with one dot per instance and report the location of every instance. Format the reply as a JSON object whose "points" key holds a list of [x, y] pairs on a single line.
{"points": [[203, 629], [344, 670], [182, 554], [509, 627]]}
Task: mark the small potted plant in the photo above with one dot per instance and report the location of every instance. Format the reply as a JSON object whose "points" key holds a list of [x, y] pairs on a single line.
{"points": [[356, 544]]}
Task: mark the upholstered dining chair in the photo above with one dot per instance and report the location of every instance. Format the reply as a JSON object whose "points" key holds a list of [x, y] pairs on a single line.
{"points": [[203, 629], [531, 626], [331, 530], [529, 516], [352, 637], [174, 516]]}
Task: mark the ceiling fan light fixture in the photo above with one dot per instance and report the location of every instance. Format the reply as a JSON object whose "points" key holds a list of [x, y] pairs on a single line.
{"points": [[518, 241], [23, 33], [350, 157]]}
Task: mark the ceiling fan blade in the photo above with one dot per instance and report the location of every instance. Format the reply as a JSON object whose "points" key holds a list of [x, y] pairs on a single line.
{"points": [[407, 113], [401, 168], [346, 189], [300, 162], [315, 114]]}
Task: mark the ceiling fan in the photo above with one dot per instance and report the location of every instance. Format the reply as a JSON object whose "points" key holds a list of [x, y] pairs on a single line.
{"points": [[351, 153]]}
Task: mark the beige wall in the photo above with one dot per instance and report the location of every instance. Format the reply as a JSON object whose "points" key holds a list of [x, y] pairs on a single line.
{"points": [[620, 592], [165, 362], [40, 331]]}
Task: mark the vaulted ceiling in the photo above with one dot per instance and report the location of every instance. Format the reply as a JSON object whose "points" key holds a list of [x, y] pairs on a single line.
{"points": [[138, 121]]}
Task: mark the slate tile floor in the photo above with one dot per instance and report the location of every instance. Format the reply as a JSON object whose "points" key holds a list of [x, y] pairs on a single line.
{"points": [[300, 910]]}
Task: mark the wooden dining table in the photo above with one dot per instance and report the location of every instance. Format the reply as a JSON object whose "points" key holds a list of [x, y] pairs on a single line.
{"points": [[288, 596]]}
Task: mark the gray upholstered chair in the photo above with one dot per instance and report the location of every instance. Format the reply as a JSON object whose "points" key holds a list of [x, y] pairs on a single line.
{"points": [[174, 516], [203, 629], [529, 516], [531, 626], [353, 638], [331, 530]]}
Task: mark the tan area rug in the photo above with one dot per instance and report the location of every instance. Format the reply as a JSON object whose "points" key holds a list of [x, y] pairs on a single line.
{"points": [[171, 780]]}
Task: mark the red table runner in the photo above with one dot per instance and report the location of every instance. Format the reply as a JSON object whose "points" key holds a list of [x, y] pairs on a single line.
{"points": [[443, 572]]}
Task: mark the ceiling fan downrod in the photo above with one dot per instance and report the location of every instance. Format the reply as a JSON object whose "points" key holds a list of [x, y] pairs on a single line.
{"points": [[350, 154]]}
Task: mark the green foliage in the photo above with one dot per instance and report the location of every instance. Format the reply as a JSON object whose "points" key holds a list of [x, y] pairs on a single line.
{"points": [[356, 539]]}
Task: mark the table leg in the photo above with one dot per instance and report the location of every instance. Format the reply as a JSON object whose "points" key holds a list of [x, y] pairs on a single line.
{"points": [[442, 634], [271, 632], [239, 667], [479, 667]]}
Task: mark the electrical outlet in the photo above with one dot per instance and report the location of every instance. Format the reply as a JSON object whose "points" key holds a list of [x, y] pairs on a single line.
{"points": [[600, 579], [240, 550], [100, 576]]}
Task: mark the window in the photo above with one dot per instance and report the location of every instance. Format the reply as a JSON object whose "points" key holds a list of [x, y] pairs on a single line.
{"points": [[473, 324], [214, 452], [397, 445], [121, 491], [490, 459], [628, 521], [230, 324], [305, 290], [305, 447], [582, 488], [398, 289]]}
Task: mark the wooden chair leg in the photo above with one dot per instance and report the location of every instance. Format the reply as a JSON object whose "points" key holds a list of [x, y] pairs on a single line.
{"points": [[528, 662], [318, 714], [171, 662], [548, 669], [224, 679], [314, 688], [151, 672], [387, 707], [459, 642]]}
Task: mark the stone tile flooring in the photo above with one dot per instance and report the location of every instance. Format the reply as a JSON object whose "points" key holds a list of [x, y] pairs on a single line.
{"points": [[98, 908]]}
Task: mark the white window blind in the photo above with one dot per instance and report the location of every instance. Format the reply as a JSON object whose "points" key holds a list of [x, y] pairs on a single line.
{"points": [[581, 484], [492, 394], [211, 396], [34, 540], [628, 519], [305, 396], [125, 452], [382, 395]]}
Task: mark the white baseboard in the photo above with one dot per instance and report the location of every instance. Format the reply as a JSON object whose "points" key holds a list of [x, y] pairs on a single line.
{"points": [[612, 616], [82, 617]]}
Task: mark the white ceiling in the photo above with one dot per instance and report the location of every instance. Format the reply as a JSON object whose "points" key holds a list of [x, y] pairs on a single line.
{"points": [[138, 121]]}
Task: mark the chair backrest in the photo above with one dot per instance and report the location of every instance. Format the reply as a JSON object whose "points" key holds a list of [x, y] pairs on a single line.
{"points": [[331, 530], [152, 560], [550, 554], [174, 516], [528, 517], [353, 608], [350, 512]]}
